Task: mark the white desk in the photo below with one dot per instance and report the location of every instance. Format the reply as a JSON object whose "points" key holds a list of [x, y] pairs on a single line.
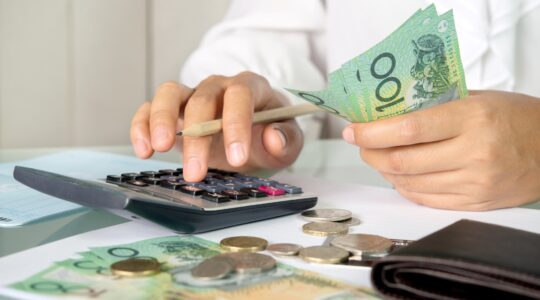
{"points": [[337, 169]]}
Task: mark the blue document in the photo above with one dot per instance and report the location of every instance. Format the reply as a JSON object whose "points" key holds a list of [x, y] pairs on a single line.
{"points": [[20, 205]]}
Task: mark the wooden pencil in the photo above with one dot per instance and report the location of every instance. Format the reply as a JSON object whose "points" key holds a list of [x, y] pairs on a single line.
{"points": [[271, 115]]}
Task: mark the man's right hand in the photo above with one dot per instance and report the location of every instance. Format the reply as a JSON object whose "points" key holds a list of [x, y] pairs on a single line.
{"points": [[240, 146]]}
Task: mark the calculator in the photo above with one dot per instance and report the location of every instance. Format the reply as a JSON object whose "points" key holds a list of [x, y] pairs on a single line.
{"points": [[222, 199]]}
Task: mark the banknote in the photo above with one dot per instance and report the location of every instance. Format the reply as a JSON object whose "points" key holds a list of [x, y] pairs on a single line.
{"points": [[415, 67], [89, 276]]}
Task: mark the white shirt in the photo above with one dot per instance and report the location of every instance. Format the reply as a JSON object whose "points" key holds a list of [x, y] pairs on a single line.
{"points": [[297, 43]]}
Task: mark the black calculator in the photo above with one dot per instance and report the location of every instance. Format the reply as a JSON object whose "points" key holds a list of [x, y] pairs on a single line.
{"points": [[222, 199]]}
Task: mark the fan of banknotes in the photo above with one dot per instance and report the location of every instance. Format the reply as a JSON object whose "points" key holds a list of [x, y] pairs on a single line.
{"points": [[415, 67]]}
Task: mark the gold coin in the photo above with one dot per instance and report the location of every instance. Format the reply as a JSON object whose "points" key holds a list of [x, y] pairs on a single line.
{"points": [[325, 228], [243, 244], [137, 266], [324, 254], [284, 249]]}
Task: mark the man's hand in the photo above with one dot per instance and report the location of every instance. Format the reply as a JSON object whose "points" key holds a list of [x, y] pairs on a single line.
{"points": [[479, 153], [240, 146]]}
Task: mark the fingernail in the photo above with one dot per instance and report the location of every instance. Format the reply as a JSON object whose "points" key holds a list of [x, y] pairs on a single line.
{"points": [[161, 134], [348, 135], [193, 166], [141, 147], [236, 154], [282, 137]]}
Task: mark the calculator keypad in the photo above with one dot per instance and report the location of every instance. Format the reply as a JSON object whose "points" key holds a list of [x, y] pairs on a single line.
{"points": [[218, 187]]}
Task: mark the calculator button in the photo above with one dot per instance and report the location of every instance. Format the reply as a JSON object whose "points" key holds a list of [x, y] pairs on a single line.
{"points": [[137, 182], [152, 180], [170, 172], [229, 186], [215, 197], [291, 189], [115, 178], [248, 184], [213, 181], [235, 195], [254, 193], [191, 190], [173, 185], [172, 178], [132, 176], [265, 182], [211, 188], [181, 170], [271, 191], [151, 173]]}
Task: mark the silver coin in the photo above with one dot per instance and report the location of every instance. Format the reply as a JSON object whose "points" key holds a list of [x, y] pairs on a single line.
{"points": [[284, 249], [365, 245], [324, 254], [326, 214], [250, 263], [325, 228], [212, 268], [350, 222]]}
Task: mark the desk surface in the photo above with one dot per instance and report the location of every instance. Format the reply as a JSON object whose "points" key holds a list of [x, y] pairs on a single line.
{"points": [[327, 159]]}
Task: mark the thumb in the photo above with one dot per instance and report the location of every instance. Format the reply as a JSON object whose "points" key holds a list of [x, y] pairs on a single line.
{"points": [[283, 140]]}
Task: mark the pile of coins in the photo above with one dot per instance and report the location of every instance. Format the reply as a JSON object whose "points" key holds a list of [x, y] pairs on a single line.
{"points": [[340, 246], [241, 258], [242, 255]]}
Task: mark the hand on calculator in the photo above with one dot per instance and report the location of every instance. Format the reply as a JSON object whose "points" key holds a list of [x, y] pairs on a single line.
{"points": [[240, 147]]}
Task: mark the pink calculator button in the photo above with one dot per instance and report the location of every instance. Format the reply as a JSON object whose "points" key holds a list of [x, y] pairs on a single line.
{"points": [[271, 191]]}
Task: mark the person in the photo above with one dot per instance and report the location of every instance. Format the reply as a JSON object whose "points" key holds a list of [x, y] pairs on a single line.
{"points": [[480, 153]]}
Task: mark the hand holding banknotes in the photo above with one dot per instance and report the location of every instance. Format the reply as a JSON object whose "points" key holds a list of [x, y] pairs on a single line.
{"points": [[240, 146], [479, 153]]}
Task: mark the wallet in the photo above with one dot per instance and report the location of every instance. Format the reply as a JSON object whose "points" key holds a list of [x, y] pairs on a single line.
{"points": [[466, 260]]}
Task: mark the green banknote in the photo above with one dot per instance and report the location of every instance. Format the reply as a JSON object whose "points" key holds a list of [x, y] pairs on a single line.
{"points": [[89, 276], [415, 67]]}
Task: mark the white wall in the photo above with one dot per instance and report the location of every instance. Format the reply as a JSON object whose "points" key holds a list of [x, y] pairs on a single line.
{"points": [[72, 72]]}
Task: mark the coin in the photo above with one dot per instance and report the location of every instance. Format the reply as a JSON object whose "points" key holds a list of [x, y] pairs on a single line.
{"points": [[325, 228], [212, 268], [326, 214], [284, 249], [137, 266], [324, 254], [363, 244], [250, 263], [350, 222], [243, 244]]}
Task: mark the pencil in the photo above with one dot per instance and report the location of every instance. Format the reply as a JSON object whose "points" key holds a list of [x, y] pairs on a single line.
{"points": [[271, 115]]}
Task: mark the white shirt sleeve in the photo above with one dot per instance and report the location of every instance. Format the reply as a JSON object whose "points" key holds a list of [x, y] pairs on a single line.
{"points": [[273, 38]]}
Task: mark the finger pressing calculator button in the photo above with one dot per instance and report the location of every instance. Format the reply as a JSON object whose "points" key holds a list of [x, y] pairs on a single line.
{"points": [[132, 176], [152, 180], [115, 178], [235, 195], [191, 190], [271, 191], [173, 185], [254, 193], [137, 182], [215, 197]]}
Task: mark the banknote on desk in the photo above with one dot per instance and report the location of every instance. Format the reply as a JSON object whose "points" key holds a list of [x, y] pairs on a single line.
{"points": [[90, 276]]}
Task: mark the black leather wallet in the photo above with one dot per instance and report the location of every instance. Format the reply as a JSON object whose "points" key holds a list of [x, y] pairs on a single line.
{"points": [[466, 260]]}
